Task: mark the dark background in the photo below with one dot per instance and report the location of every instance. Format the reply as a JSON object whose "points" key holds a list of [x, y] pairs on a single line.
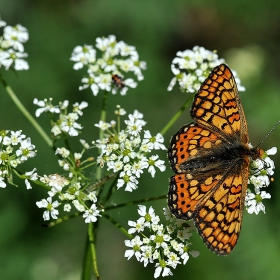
{"points": [[245, 33]]}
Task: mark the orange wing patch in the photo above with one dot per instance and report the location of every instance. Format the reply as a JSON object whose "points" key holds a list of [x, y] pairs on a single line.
{"points": [[189, 142], [186, 192]]}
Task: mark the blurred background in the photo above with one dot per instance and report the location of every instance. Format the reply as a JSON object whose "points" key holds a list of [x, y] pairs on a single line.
{"points": [[245, 33]]}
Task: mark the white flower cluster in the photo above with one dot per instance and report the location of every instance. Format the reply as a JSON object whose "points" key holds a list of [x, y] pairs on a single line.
{"points": [[73, 195], [107, 72], [11, 46], [166, 246], [66, 123], [15, 149], [192, 67], [261, 171], [124, 152]]}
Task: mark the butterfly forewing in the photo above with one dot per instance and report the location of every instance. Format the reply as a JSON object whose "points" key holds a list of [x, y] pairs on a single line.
{"points": [[211, 158], [217, 105]]}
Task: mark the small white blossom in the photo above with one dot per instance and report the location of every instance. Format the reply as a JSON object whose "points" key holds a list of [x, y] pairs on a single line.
{"points": [[63, 152], [91, 214], [7, 58], [2, 183], [50, 206], [135, 244], [31, 175], [46, 106], [254, 203], [67, 207]]}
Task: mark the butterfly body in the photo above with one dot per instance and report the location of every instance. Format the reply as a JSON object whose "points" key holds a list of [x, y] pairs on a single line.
{"points": [[211, 157]]}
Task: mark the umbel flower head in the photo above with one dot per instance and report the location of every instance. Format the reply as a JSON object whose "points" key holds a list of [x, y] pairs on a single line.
{"points": [[192, 67], [164, 246], [66, 123], [11, 46], [125, 152], [108, 65], [260, 172], [15, 149]]}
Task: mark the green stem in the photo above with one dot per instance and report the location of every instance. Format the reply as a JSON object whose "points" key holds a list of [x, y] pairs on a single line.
{"points": [[87, 262], [90, 259], [135, 202], [91, 237], [118, 225], [176, 116], [25, 112], [101, 132]]}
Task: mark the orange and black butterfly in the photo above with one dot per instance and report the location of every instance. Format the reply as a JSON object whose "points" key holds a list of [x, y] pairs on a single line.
{"points": [[211, 158], [118, 81]]}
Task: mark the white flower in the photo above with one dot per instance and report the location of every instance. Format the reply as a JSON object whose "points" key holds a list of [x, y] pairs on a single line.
{"points": [[150, 216], [46, 106], [254, 203], [162, 268], [136, 226], [26, 150], [117, 58], [92, 82], [191, 68], [154, 162], [77, 108], [92, 196], [134, 125], [125, 50], [56, 130], [137, 167], [156, 142], [83, 55], [31, 175], [91, 214], [15, 36], [147, 254], [120, 111], [2, 23], [2, 183], [55, 181], [105, 82], [107, 44], [271, 151], [103, 125], [67, 207], [135, 244], [69, 125], [50, 206], [63, 152], [160, 239], [15, 138], [7, 58], [84, 143], [126, 178]]}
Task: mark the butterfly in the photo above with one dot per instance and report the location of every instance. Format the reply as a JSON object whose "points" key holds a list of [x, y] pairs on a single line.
{"points": [[211, 158]]}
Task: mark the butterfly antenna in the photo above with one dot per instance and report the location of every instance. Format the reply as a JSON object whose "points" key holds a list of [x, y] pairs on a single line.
{"points": [[269, 133]]}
